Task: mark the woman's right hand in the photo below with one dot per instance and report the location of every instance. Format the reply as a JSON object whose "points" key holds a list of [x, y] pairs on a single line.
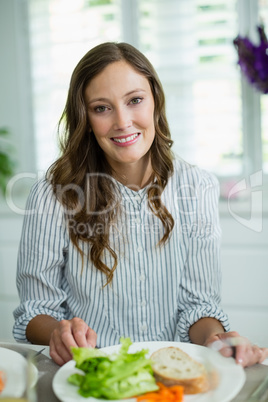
{"points": [[74, 332]]}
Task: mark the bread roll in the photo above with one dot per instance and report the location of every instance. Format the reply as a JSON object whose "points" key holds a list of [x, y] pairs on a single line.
{"points": [[172, 366]]}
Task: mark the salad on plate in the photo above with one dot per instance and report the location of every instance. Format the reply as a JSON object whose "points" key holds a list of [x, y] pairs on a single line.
{"points": [[116, 376]]}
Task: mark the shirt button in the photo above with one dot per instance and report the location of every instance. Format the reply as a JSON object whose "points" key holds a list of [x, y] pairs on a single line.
{"points": [[142, 278], [137, 198], [144, 327], [140, 249], [143, 303], [138, 221]]}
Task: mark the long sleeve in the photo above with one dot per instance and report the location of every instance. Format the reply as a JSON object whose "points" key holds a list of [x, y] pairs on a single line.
{"points": [[200, 287], [41, 259]]}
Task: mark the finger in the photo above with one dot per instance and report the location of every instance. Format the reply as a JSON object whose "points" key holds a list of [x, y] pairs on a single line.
{"points": [[251, 355], [255, 356], [91, 338], [233, 338], [79, 330], [226, 351], [242, 354], [58, 352], [264, 354], [56, 357], [230, 334], [226, 342], [67, 334], [63, 340]]}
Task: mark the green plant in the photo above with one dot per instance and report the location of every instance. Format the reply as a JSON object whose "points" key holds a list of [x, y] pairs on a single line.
{"points": [[6, 162]]}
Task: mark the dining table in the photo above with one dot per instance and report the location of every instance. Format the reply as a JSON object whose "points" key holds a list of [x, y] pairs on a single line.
{"points": [[47, 368]]}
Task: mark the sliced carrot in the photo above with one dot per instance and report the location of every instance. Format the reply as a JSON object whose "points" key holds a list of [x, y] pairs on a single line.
{"points": [[178, 391], [2, 381], [164, 394]]}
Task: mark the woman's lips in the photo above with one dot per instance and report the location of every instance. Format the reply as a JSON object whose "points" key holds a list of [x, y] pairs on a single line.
{"points": [[125, 140]]}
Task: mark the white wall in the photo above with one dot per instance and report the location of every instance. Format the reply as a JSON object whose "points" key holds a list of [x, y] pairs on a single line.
{"points": [[245, 278], [10, 229], [16, 115]]}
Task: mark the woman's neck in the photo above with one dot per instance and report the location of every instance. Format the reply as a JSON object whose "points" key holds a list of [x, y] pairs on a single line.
{"points": [[136, 175]]}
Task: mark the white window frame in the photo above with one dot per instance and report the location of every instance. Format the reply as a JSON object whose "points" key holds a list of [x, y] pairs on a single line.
{"points": [[251, 107]]}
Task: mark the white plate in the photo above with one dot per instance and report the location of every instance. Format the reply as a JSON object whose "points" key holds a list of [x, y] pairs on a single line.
{"points": [[14, 366], [231, 375]]}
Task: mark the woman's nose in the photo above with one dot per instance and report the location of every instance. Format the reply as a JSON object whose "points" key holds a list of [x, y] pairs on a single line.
{"points": [[122, 120]]}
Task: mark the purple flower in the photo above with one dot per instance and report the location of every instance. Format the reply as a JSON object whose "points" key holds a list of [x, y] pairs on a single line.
{"points": [[253, 59]]}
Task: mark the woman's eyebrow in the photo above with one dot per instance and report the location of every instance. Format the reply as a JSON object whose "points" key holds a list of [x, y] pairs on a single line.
{"points": [[97, 100], [134, 91], [101, 99]]}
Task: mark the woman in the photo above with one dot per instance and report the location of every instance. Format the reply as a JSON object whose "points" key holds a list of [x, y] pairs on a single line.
{"points": [[121, 238]]}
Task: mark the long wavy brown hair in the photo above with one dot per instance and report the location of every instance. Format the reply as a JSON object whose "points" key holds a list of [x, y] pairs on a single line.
{"points": [[81, 177]]}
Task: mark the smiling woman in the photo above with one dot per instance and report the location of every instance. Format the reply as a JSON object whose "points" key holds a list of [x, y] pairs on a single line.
{"points": [[109, 76], [176, 35], [117, 178]]}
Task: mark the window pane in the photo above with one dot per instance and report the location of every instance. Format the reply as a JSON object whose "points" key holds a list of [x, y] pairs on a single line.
{"points": [[62, 31], [190, 42], [218, 123]]}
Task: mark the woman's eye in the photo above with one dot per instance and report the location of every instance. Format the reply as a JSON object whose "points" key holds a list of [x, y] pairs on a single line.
{"points": [[100, 109], [135, 101]]}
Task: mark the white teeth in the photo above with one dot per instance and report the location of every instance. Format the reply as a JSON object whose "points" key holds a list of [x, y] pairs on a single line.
{"points": [[130, 138]]}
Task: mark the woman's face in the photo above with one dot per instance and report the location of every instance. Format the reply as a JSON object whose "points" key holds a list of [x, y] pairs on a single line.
{"points": [[120, 108]]}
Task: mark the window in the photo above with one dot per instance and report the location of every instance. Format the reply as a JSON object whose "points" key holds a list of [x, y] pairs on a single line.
{"points": [[193, 52], [61, 32], [264, 99], [190, 43]]}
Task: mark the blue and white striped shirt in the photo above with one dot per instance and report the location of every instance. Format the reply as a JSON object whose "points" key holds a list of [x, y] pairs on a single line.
{"points": [[157, 292]]}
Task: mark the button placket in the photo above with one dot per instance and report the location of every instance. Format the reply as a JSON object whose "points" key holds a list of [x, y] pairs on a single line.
{"points": [[137, 221], [137, 227]]}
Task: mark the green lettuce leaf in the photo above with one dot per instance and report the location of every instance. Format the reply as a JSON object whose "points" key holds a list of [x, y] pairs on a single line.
{"points": [[115, 376]]}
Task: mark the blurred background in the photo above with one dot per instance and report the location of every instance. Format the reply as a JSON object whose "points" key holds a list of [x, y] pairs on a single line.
{"points": [[217, 119]]}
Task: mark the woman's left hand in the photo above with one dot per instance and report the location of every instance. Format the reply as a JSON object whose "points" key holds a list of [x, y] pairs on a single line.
{"points": [[246, 354]]}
